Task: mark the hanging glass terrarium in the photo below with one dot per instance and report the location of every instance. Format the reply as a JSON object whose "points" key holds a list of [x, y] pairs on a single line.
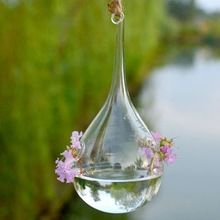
{"points": [[117, 164]]}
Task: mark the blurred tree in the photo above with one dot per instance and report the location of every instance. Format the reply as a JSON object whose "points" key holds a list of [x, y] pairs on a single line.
{"points": [[183, 10]]}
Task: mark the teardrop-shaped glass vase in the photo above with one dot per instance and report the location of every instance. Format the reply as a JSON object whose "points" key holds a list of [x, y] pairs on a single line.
{"points": [[120, 169]]}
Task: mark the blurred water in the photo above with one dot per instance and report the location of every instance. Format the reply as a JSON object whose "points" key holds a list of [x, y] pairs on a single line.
{"points": [[183, 98]]}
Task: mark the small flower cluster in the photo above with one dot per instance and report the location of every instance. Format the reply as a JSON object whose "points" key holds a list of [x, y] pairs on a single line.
{"points": [[65, 166], [165, 145], [166, 151], [66, 170]]}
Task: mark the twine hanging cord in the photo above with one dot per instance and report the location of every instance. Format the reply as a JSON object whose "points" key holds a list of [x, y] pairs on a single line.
{"points": [[115, 7]]}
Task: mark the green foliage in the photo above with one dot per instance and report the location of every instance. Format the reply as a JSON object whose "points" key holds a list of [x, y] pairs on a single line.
{"points": [[183, 10], [189, 24], [55, 70]]}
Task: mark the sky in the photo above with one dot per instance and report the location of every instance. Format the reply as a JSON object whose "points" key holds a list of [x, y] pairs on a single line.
{"points": [[209, 5]]}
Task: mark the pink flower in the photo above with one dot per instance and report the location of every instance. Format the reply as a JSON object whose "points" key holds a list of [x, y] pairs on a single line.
{"points": [[157, 136], [166, 149], [168, 155], [64, 168], [147, 152], [75, 139], [68, 155], [170, 158]]}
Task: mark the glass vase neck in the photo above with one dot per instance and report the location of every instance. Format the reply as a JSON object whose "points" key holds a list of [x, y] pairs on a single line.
{"points": [[119, 80]]}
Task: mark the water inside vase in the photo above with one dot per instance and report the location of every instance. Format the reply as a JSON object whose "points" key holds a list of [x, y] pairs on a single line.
{"points": [[117, 191]]}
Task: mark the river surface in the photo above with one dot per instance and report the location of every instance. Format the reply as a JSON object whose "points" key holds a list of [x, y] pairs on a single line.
{"points": [[181, 99], [184, 102]]}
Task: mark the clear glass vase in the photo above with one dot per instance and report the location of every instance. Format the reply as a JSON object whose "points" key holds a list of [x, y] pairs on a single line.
{"points": [[120, 169]]}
